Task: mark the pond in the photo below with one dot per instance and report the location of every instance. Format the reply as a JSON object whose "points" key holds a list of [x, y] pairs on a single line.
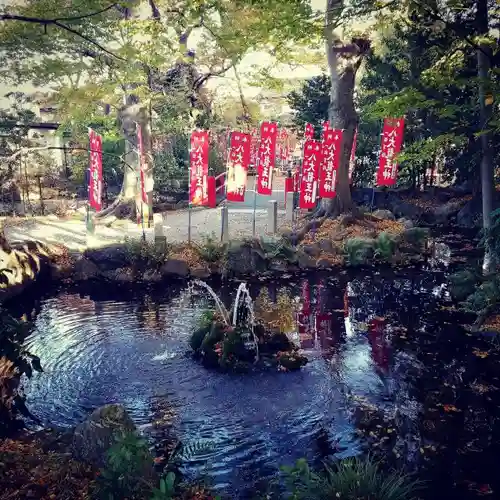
{"points": [[388, 365]]}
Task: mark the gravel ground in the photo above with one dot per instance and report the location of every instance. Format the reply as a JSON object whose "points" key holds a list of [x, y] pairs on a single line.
{"points": [[72, 232]]}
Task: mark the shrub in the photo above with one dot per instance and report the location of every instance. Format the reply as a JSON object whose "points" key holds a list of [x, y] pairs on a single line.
{"points": [[385, 246], [416, 237], [128, 470], [462, 284], [140, 252], [350, 479], [211, 250], [358, 251]]}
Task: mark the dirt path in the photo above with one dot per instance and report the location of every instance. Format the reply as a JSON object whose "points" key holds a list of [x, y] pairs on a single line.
{"points": [[72, 232]]}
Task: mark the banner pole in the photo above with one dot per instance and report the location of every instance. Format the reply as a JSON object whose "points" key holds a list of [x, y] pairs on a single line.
{"points": [[256, 181], [189, 221]]}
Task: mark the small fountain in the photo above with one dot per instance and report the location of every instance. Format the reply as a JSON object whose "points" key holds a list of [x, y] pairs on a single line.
{"points": [[238, 337]]}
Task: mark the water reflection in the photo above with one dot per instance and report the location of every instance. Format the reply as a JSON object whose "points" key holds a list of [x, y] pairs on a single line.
{"points": [[379, 352]]}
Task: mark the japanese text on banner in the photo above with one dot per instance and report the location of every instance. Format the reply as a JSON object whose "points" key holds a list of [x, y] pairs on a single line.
{"points": [[332, 144], [95, 170], [309, 131], [392, 138], [237, 166], [309, 179], [198, 193], [142, 162], [267, 157]]}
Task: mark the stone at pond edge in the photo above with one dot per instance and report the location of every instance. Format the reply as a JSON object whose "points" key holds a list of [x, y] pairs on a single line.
{"points": [[407, 223], [305, 261], [278, 265], [152, 276], [200, 272], [84, 269], [175, 267], [95, 436], [323, 264], [108, 258], [327, 246], [384, 214], [313, 249], [120, 275]]}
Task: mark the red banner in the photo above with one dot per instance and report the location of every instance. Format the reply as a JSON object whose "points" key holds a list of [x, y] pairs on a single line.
{"points": [[309, 131], [332, 145], [237, 166], [95, 170], [326, 127], [353, 155], [142, 165], [305, 330], [392, 138], [198, 192], [254, 148], [267, 157], [310, 170], [211, 192], [324, 330]]}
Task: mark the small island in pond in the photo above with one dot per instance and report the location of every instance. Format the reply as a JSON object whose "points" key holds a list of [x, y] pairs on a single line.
{"points": [[240, 343]]}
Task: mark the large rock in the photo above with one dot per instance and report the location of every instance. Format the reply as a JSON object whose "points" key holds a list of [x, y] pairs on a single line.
{"points": [[84, 269], [120, 275], [245, 258], [109, 258], [407, 223], [95, 436], [444, 213], [384, 215], [313, 249], [406, 210], [175, 267]]}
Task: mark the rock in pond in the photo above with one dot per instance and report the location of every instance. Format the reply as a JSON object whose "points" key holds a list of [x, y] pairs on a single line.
{"points": [[95, 436], [175, 267]]}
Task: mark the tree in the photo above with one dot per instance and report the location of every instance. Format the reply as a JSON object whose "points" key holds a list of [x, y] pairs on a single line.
{"points": [[134, 56]]}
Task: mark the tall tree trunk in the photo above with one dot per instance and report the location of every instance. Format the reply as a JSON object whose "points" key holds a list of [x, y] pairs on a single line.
{"points": [[485, 106], [344, 61]]}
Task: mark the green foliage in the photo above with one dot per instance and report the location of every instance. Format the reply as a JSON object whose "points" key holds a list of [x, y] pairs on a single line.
{"points": [[211, 249], [127, 471], [144, 253], [351, 479], [462, 284], [385, 246], [416, 237], [358, 251], [274, 248], [485, 299], [166, 491], [311, 102], [491, 236]]}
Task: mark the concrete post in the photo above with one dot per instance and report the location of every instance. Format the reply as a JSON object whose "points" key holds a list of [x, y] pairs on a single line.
{"points": [[159, 237], [272, 217], [289, 206], [224, 214]]}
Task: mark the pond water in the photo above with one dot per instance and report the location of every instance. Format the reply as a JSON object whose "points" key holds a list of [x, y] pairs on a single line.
{"points": [[388, 365]]}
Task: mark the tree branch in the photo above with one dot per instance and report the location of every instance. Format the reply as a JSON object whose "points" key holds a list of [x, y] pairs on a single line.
{"points": [[154, 10], [56, 22]]}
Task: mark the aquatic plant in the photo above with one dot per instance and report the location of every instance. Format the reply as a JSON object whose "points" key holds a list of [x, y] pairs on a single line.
{"points": [[385, 246], [349, 479], [358, 251]]}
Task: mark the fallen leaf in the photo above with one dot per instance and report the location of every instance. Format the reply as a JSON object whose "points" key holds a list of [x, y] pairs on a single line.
{"points": [[450, 408], [481, 354]]}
